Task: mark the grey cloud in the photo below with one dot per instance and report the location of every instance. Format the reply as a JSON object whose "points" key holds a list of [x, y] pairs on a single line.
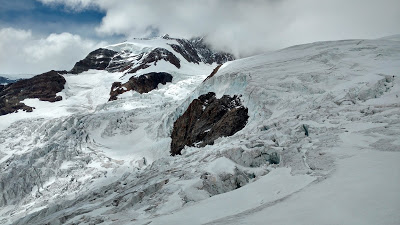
{"points": [[254, 26], [248, 27]]}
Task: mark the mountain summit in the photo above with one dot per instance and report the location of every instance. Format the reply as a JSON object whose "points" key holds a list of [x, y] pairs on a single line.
{"points": [[131, 57]]}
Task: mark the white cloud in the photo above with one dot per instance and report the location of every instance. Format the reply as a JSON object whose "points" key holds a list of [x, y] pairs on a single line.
{"points": [[23, 52], [248, 26]]}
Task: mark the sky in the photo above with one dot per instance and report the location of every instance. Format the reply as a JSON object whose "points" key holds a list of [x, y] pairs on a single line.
{"points": [[40, 35]]}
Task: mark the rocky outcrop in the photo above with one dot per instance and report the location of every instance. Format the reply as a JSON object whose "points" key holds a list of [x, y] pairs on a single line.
{"points": [[154, 56], [206, 119], [112, 61], [187, 51], [97, 60], [142, 84], [208, 55], [44, 87], [196, 50], [215, 70], [126, 60]]}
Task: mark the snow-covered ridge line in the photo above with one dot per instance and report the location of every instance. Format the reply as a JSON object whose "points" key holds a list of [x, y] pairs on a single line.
{"points": [[140, 54]]}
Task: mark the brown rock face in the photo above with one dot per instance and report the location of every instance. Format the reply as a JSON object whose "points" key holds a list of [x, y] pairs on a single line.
{"points": [[213, 72], [142, 84], [44, 87], [206, 119]]}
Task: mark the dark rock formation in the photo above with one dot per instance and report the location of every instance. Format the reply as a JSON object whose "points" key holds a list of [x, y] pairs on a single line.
{"points": [[206, 119], [207, 54], [112, 61], [154, 56], [187, 51], [98, 60], [215, 70], [196, 51], [44, 87], [142, 84]]}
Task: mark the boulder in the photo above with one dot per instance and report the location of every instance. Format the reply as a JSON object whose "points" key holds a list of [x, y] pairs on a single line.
{"points": [[142, 84]]}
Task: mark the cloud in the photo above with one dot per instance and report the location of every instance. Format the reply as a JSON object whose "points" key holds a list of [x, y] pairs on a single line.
{"points": [[248, 26], [23, 52], [77, 5]]}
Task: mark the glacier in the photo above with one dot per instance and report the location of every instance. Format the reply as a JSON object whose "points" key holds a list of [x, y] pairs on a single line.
{"points": [[85, 160]]}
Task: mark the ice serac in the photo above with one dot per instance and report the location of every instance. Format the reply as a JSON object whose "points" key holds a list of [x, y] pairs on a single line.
{"points": [[142, 84], [97, 60], [44, 87], [206, 119]]}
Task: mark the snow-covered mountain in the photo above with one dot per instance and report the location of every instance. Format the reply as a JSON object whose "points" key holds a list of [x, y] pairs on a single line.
{"points": [[305, 135], [130, 57]]}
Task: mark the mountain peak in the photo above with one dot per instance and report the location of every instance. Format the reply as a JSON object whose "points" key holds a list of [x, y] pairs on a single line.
{"points": [[130, 57]]}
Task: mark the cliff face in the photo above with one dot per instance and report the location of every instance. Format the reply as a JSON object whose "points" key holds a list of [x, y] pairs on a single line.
{"points": [[207, 119]]}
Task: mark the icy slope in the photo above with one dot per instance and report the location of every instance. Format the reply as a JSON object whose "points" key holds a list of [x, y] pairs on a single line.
{"points": [[347, 95], [93, 161]]}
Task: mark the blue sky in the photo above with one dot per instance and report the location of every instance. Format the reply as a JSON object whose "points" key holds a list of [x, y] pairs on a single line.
{"points": [[37, 37], [45, 19]]}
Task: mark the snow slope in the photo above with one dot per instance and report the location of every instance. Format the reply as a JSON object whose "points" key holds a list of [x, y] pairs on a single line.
{"points": [[86, 160]]}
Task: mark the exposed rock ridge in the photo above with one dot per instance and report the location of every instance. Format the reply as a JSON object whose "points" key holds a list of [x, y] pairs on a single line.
{"points": [[213, 72], [209, 55], [154, 56], [206, 119], [194, 51], [44, 87], [97, 59], [142, 84]]}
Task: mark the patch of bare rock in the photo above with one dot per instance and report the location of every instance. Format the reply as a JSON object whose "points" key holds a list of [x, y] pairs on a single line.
{"points": [[44, 87], [142, 84]]}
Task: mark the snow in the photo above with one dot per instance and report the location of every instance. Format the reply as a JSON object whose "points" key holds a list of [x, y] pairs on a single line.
{"points": [[221, 165], [278, 184], [362, 190], [110, 161]]}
